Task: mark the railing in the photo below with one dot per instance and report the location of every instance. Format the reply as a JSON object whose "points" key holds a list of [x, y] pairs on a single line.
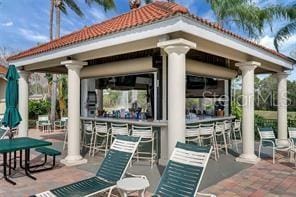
{"points": [[271, 123]]}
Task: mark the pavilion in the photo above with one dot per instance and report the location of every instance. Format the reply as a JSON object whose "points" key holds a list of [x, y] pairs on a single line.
{"points": [[132, 43]]}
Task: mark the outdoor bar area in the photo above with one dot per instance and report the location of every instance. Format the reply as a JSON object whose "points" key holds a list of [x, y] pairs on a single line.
{"points": [[142, 88], [164, 76]]}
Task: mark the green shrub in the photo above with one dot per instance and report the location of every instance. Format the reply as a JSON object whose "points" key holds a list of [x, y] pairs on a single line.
{"points": [[36, 108]]}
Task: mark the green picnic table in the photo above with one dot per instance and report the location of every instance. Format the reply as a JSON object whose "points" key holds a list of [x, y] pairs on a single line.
{"points": [[19, 144]]}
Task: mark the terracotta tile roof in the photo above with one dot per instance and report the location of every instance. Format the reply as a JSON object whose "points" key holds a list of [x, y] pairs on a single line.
{"points": [[3, 69], [145, 15]]}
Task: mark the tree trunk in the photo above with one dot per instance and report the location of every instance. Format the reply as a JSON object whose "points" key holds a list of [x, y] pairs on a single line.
{"points": [[54, 77], [51, 19]]}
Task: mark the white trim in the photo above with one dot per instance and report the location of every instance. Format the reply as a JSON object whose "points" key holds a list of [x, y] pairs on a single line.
{"points": [[174, 24], [198, 29]]}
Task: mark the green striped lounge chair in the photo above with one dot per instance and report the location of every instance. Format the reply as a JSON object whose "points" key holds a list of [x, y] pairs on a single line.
{"points": [[112, 169], [268, 140], [184, 171]]}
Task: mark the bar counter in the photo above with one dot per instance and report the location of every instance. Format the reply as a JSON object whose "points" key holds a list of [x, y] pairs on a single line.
{"points": [[154, 123], [157, 123]]}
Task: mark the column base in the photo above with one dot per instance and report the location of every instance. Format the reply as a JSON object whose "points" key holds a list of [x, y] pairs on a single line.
{"points": [[73, 160], [246, 158]]}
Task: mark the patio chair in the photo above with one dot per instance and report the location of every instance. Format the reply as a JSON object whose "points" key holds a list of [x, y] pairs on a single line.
{"points": [[292, 135], [88, 135], [118, 129], [228, 132], [113, 168], [237, 134], [60, 124], [220, 136], [101, 138], [268, 140], [192, 134], [147, 137], [207, 133], [184, 171], [3, 132], [42, 122]]}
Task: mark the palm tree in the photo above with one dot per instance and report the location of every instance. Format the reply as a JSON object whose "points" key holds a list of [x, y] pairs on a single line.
{"points": [[61, 6], [288, 30], [247, 15]]}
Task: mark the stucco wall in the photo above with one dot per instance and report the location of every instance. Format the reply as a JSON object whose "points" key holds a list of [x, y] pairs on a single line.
{"points": [[2, 95]]}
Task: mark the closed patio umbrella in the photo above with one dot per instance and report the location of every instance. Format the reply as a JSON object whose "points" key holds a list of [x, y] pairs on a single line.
{"points": [[12, 116]]}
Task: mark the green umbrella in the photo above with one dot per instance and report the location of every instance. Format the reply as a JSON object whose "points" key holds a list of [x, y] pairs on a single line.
{"points": [[12, 116]]}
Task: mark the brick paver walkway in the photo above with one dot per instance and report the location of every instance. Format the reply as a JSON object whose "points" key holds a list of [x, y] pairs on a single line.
{"points": [[262, 179]]}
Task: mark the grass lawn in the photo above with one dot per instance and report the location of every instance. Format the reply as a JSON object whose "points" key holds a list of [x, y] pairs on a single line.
{"points": [[273, 114]]}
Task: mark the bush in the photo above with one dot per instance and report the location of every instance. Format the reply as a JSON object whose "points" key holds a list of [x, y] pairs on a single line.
{"points": [[236, 110], [36, 108]]}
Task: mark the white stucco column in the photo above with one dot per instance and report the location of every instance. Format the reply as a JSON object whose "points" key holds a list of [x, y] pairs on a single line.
{"points": [[176, 50], [73, 156], [23, 103], [248, 133], [282, 105]]}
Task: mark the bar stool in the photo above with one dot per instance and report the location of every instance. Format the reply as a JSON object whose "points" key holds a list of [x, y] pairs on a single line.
{"points": [[236, 128], [228, 132], [207, 132], [118, 129], [101, 138], [192, 134], [88, 135], [147, 136], [220, 133]]}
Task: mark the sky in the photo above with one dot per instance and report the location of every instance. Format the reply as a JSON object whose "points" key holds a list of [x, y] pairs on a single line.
{"points": [[25, 23]]}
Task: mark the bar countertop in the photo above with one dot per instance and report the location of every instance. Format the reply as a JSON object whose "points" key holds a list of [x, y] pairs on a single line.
{"points": [[156, 123]]}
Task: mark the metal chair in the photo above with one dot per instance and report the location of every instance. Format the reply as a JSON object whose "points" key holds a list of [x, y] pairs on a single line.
{"points": [[87, 135], [60, 124], [43, 123], [192, 134], [101, 138], [292, 135], [118, 129], [236, 129], [207, 132], [220, 133], [268, 140], [228, 132], [147, 136]]}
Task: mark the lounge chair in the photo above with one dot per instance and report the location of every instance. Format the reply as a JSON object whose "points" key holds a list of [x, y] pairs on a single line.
{"points": [[184, 171], [112, 169], [268, 140]]}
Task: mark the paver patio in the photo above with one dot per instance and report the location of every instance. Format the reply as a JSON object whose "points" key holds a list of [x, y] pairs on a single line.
{"points": [[223, 178]]}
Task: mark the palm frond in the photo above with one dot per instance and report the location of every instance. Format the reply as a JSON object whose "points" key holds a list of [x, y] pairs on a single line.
{"points": [[74, 7], [106, 4], [284, 33]]}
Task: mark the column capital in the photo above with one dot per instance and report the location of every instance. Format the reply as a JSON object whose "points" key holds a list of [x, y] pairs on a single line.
{"points": [[74, 64], [179, 46], [23, 74], [248, 66], [282, 75]]}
